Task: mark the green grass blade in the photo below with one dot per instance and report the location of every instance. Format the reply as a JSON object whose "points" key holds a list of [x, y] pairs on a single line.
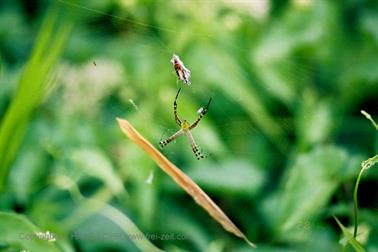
{"points": [[128, 226], [17, 232], [355, 244], [31, 88]]}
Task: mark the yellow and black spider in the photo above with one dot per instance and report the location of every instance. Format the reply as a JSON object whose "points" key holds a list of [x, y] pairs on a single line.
{"points": [[185, 128]]}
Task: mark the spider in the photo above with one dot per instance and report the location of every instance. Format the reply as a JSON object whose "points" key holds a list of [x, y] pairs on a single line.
{"points": [[185, 128], [182, 72]]}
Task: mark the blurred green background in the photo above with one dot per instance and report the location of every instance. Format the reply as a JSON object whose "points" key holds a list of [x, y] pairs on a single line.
{"points": [[284, 133]]}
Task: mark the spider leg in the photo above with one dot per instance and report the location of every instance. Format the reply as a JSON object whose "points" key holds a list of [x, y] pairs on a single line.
{"points": [[203, 112], [195, 149], [177, 119], [171, 138]]}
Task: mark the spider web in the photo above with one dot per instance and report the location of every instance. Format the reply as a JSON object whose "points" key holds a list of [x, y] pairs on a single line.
{"points": [[232, 113], [251, 111]]}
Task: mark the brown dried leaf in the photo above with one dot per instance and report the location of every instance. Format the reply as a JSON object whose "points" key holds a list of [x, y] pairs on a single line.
{"points": [[182, 180]]}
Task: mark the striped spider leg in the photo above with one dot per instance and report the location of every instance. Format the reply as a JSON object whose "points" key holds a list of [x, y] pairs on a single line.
{"points": [[196, 151], [177, 119], [171, 138], [185, 128], [202, 113]]}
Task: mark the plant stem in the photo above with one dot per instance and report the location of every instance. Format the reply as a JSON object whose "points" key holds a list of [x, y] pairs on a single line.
{"points": [[370, 162], [355, 202], [368, 116], [364, 166]]}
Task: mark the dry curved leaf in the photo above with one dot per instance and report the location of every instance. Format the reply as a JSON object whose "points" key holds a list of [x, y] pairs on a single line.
{"points": [[182, 180]]}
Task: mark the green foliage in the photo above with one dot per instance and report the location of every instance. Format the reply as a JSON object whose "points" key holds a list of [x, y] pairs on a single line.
{"points": [[94, 163], [284, 135], [309, 184], [236, 177], [18, 233], [34, 82], [352, 240]]}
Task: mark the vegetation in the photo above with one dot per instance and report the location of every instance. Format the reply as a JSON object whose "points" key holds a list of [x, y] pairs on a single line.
{"points": [[284, 135]]}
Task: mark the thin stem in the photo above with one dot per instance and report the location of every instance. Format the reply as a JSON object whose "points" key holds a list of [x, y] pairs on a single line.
{"points": [[368, 116], [365, 165], [355, 203], [370, 162]]}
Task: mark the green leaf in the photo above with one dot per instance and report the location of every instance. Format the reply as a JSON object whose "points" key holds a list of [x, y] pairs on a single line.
{"points": [[239, 91], [128, 227], [237, 176], [314, 121], [32, 88], [296, 29], [28, 173], [94, 163], [19, 233], [356, 245], [310, 182]]}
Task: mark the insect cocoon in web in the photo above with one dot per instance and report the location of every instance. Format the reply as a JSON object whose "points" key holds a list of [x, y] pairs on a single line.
{"points": [[182, 72]]}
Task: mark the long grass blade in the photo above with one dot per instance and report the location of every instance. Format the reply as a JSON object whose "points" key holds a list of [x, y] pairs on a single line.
{"points": [[32, 88], [355, 244], [129, 228], [182, 180]]}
